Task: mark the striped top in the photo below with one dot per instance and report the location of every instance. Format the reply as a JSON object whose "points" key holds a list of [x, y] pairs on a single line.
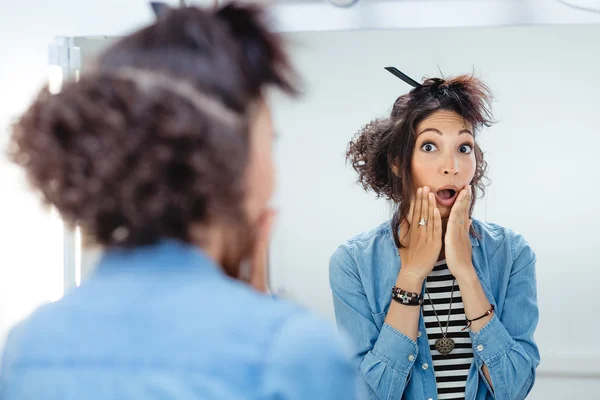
{"points": [[451, 369]]}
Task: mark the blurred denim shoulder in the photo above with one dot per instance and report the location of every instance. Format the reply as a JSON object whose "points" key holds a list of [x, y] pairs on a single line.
{"points": [[164, 322]]}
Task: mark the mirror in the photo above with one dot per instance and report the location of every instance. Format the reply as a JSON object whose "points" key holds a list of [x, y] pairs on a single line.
{"points": [[541, 157]]}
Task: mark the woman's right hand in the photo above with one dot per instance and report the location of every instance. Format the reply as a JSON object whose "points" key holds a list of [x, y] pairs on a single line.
{"points": [[422, 243]]}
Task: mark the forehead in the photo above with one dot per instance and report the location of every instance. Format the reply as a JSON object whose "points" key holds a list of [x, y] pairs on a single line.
{"points": [[444, 120]]}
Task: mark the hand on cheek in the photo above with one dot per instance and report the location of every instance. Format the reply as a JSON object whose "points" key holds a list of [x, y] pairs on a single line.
{"points": [[421, 234], [457, 242]]}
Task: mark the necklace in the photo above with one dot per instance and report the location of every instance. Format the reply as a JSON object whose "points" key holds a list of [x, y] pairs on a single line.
{"points": [[444, 345]]}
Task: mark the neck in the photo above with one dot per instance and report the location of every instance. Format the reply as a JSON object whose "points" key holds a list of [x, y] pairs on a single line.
{"points": [[210, 238]]}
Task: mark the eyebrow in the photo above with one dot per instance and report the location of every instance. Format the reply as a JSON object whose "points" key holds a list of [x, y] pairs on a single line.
{"points": [[440, 132]]}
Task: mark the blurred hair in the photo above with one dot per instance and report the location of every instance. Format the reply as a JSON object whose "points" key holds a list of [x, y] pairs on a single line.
{"points": [[154, 137], [390, 141]]}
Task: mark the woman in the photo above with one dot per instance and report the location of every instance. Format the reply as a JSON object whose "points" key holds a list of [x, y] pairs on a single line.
{"points": [[439, 305], [162, 155]]}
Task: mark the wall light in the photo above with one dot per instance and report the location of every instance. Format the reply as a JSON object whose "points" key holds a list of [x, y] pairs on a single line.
{"points": [[342, 3], [583, 5]]}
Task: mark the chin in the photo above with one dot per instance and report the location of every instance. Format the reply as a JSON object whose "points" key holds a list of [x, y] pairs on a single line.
{"points": [[444, 212]]}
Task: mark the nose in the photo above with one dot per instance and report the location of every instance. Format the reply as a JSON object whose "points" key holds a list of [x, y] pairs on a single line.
{"points": [[451, 171], [450, 167]]}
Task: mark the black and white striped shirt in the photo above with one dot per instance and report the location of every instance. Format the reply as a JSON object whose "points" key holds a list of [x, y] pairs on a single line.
{"points": [[451, 369]]}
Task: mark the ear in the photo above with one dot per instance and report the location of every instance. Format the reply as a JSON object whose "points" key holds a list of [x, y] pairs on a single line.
{"points": [[395, 167]]}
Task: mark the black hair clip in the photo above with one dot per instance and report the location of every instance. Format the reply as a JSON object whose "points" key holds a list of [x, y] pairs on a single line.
{"points": [[159, 8], [399, 74]]}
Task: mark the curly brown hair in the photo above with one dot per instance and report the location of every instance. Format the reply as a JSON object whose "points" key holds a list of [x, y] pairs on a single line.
{"points": [[390, 141], [155, 136]]}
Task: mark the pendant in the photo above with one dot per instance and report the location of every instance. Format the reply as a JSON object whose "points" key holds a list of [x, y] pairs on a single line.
{"points": [[444, 345]]}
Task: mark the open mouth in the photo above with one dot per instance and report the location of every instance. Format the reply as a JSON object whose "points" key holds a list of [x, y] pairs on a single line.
{"points": [[446, 196]]}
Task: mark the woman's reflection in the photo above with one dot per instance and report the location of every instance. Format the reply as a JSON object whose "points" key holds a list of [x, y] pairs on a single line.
{"points": [[437, 303]]}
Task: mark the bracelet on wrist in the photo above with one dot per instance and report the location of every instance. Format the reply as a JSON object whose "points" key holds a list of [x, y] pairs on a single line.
{"points": [[470, 321], [406, 298]]}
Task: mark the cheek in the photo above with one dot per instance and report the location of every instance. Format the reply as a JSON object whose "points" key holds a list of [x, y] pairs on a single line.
{"points": [[261, 182], [267, 178], [469, 167], [422, 173]]}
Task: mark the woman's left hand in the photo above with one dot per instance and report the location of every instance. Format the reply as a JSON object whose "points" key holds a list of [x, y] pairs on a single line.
{"points": [[457, 242]]}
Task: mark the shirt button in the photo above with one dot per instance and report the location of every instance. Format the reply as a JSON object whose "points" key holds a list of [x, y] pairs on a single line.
{"points": [[419, 334], [480, 347], [411, 358], [425, 366]]}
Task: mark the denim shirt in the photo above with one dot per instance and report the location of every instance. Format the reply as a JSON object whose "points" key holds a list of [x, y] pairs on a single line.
{"points": [[164, 322], [365, 268]]}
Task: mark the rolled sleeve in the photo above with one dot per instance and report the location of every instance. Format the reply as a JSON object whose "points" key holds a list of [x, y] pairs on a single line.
{"points": [[396, 349], [491, 342]]}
